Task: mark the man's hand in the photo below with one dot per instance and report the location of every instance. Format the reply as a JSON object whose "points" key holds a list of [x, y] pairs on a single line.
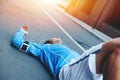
{"points": [[25, 29]]}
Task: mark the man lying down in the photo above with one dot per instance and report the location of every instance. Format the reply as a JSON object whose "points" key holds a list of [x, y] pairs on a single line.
{"points": [[101, 62]]}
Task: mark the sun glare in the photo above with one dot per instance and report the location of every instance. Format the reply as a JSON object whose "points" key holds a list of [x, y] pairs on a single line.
{"points": [[52, 1]]}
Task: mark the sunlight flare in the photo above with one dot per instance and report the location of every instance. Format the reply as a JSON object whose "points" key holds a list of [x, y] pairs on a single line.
{"points": [[52, 1]]}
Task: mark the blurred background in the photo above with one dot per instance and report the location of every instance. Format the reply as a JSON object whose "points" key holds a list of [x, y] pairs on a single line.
{"points": [[103, 15]]}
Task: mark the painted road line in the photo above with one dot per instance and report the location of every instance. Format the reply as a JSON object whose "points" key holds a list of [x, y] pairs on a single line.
{"points": [[83, 49]]}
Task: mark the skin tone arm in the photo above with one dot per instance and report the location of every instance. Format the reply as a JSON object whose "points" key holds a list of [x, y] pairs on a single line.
{"points": [[108, 61]]}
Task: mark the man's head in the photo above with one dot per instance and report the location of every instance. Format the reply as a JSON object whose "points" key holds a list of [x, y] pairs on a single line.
{"points": [[53, 41]]}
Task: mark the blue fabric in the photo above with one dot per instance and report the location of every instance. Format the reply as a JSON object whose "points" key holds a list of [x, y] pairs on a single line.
{"points": [[53, 56]]}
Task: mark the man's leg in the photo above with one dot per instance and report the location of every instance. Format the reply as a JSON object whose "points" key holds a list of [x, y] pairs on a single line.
{"points": [[111, 70]]}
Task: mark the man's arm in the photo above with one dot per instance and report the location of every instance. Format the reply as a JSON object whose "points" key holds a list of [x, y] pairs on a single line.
{"points": [[29, 47], [107, 48], [18, 38]]}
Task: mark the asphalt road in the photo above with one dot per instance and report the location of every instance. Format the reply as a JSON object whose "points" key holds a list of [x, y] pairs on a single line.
{"points": [[44, 22]]}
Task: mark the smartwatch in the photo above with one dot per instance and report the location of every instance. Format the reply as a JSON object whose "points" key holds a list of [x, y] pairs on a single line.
{"points": [[24, 47]]}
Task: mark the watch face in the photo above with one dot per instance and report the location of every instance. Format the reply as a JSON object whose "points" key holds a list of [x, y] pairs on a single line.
{"points": [[24, 47]]}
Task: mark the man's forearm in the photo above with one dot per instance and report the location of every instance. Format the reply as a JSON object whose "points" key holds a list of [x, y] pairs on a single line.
{"points": [[107, 49], [18, 38]]}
